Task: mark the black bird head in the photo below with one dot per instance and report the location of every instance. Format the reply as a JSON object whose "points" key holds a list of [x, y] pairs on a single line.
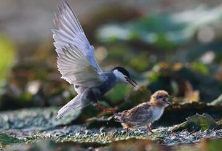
{"points": [[123, 75]]}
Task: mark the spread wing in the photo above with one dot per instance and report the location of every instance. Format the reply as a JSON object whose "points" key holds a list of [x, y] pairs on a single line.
{"points": [[76, 69], [76, 61]]}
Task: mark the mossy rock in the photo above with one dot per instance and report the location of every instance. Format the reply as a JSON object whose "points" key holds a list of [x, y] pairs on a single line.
{"points": [[8, 140], [196, 123], [33, 125]]}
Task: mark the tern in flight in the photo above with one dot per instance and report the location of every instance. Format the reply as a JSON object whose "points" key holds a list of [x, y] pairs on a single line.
{"points": [[77, 64]]}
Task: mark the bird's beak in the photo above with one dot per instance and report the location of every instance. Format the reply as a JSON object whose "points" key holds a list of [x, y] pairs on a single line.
{"points": [[168, 98], [168, 102], [131, 81]]}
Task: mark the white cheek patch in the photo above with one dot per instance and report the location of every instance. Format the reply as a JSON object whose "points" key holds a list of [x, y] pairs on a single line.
{"points": [[119, 76]]}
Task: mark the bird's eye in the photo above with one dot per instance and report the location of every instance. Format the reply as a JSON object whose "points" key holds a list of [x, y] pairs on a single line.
{"points": [[160, 97]]}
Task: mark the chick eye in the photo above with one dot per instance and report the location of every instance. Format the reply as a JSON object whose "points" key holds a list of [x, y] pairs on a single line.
{"points": [[160, 97]]}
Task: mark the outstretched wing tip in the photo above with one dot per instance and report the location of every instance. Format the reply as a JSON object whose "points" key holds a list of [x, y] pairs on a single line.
{"points": [[75, 53], [65, 3]]}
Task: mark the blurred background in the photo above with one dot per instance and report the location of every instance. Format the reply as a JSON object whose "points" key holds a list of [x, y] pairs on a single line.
{"points": [[174, 45]]}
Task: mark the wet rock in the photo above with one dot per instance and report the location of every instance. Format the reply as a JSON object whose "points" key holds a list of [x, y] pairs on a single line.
{"points": [[196, 123], [177, 113], [33, 125], [36, 118], [86, 113], [102, 122]]}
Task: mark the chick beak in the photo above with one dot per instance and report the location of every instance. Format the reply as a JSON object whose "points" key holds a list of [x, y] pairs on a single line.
{"points": [[131, 81], [168, 98]]}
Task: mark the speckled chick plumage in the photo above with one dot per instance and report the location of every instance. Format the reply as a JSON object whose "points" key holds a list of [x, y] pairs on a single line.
{"points": [[146, 113]]}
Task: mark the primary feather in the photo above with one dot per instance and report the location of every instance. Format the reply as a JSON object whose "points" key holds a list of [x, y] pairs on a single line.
{"points": [[76, 69], [70, 32], [76, 61]]}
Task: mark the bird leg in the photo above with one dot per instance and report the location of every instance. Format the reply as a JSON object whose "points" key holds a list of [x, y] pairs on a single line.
{"points": [[101, 107], [127, 129], [149, 129]]}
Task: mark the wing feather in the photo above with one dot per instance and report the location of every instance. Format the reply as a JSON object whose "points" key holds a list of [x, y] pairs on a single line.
{"points": [[76, 69], [70, 33]]}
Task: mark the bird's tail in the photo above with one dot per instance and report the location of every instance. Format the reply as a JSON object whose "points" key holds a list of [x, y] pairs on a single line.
{"points": [[73, 104]]}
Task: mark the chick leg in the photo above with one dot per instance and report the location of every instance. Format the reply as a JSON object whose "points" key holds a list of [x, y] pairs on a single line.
{"points": [[127, 129]]}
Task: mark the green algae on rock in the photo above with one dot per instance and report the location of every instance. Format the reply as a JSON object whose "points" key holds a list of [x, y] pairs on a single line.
{"points": [[196, 123], [9, 140]]}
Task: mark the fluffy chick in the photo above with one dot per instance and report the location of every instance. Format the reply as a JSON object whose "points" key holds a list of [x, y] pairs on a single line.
{"points": [[144, 114]]}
